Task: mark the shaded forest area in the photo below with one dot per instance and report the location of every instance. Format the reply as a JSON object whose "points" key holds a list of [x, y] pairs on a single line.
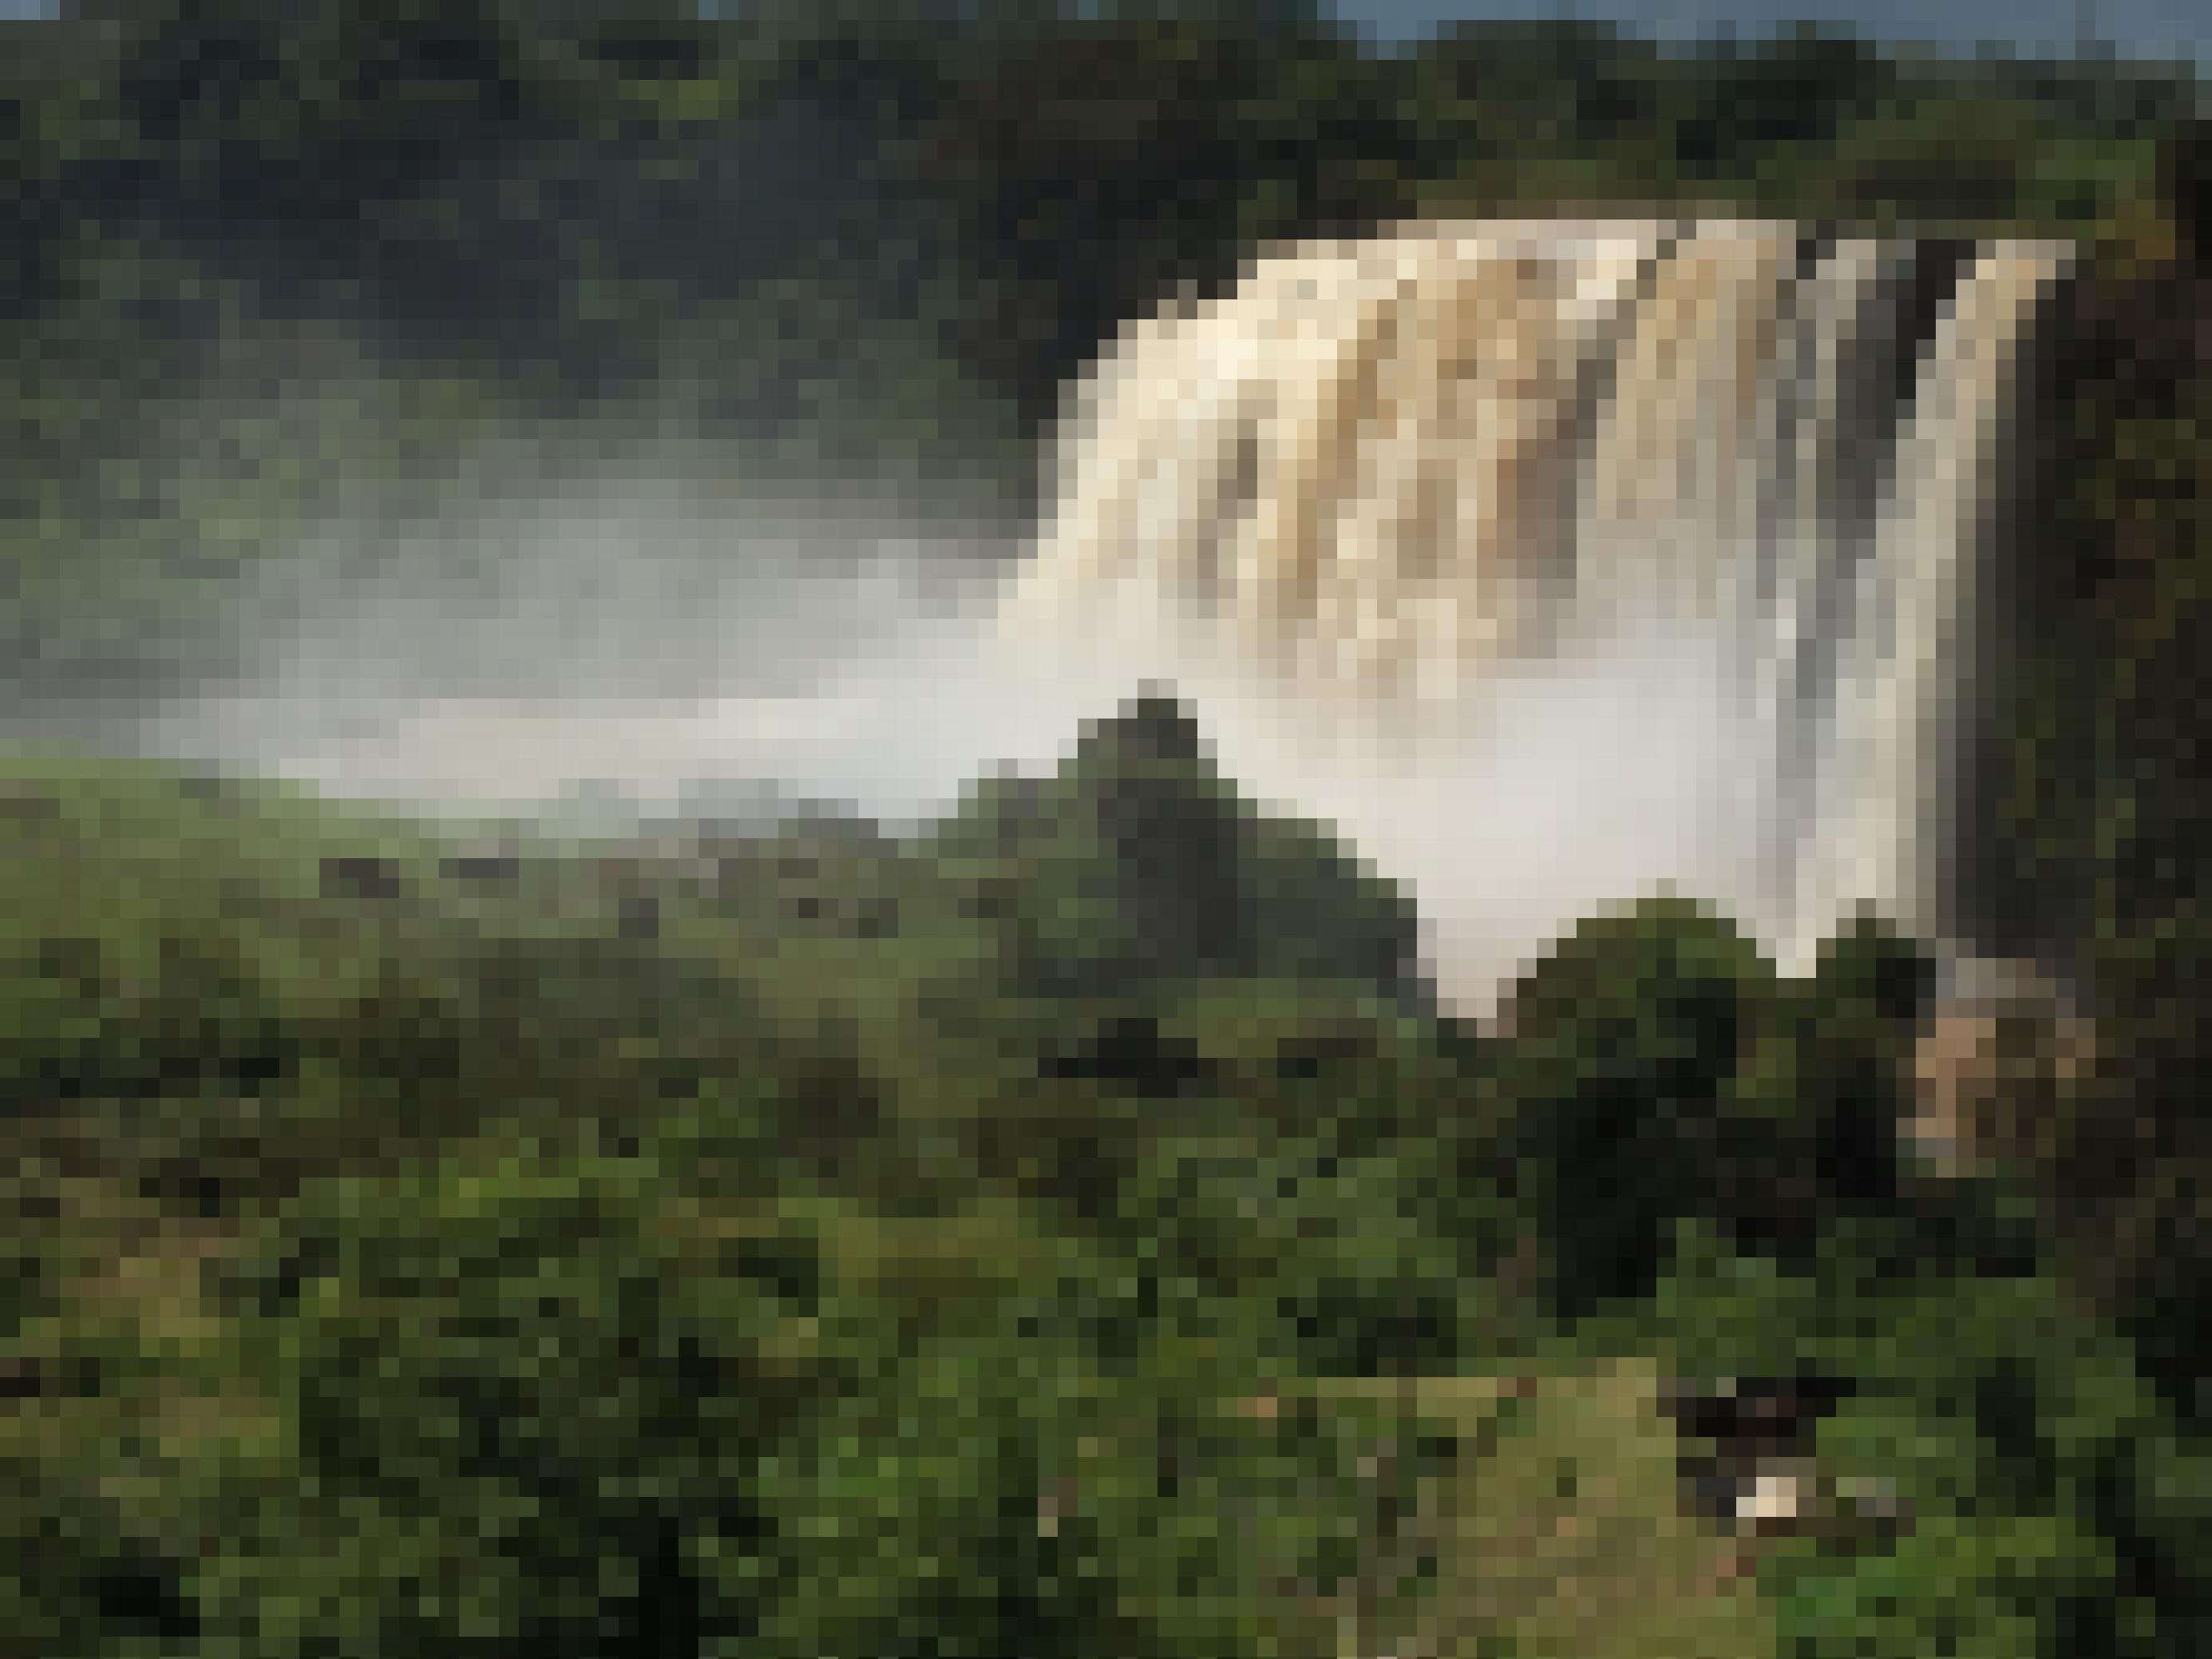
{"points": [[1043, 1234]]}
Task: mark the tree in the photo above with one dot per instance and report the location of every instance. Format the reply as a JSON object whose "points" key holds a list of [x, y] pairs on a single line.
{"points": [[1625, 1040], [1098, 166]]}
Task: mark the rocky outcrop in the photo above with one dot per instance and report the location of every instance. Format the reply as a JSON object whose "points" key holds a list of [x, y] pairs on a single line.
{"points": [[1990, 1062]]}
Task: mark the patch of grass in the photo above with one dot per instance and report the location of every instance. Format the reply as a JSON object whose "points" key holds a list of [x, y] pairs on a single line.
{"points": [[1546, 1524]]}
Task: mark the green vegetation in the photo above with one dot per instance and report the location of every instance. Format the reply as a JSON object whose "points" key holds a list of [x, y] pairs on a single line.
{"points": [[789, 1243], [1068, 1228]]}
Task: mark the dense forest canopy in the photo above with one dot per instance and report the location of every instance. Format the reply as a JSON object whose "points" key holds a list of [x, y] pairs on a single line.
{"points": [[1067, 1228]]}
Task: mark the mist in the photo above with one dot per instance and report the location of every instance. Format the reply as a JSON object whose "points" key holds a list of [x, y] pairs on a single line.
{"points": [[664, 644], [494, 644]]}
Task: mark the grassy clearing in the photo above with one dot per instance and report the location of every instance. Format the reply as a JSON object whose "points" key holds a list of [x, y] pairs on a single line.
{"points": [[1553, 1529]]}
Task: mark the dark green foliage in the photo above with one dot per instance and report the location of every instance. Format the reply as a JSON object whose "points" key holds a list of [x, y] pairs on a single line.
{"points": [[1662, 1074], [516, 1332], [1146, 882], [256, 112], [526, 1280], [1624, 1041], [1853, 1028], [1138, 868], [1176, 852], [2120, 1159], [1097, 167], [2006, 1423]]}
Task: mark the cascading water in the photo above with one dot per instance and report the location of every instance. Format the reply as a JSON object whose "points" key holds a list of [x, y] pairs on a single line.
{"points": [[1556, 562]]}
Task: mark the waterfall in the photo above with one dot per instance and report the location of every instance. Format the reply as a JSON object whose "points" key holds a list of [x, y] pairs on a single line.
{"points": [[1556, 562], [1549, 563]]}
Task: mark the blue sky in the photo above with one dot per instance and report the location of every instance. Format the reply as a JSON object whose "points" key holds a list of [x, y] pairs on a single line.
{"points": [[2149, 27], [2136, 27]]}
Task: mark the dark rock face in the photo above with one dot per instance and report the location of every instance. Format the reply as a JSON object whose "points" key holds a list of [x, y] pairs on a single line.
{"points": [[2186, 181], [1990, 1064]]}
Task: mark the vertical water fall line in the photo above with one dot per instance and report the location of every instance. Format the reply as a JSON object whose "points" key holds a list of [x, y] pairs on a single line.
{"points": [[1898, 717], [1906, 291], [1787, 546], [1815, 540]]}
